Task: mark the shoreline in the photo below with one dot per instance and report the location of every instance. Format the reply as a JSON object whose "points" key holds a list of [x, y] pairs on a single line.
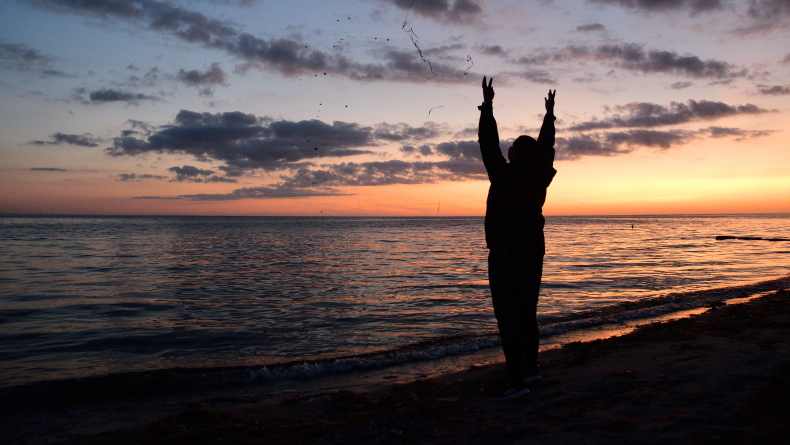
{"points": [[717, 374], [428, 356]]}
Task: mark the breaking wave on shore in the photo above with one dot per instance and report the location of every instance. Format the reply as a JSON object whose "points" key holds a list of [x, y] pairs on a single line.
{"points": [[186, 379]]}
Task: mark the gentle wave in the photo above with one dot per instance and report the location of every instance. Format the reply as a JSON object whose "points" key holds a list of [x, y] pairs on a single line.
{"points": [[91, 296], [184, 379]]}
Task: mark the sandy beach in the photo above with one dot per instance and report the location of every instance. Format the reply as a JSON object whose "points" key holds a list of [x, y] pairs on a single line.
{"points": [[719, 377]]}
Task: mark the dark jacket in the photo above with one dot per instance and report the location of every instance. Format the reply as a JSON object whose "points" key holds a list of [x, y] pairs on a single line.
{"points": [[514, 209]]}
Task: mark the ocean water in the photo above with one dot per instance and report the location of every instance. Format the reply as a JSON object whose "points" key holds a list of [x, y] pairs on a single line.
{"points": [[276, 297]]}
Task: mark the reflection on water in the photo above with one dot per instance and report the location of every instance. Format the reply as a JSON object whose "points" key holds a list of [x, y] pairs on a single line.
{"points": [[95, 295]]}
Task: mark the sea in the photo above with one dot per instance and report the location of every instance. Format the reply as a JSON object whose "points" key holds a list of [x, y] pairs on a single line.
{"points": [[248, 300]]}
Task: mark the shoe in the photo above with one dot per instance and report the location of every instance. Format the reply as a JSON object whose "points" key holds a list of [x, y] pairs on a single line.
{"points": [[532, 379], [510, 393]]}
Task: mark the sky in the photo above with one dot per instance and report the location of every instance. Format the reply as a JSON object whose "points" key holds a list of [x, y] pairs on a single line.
{"points": [[369, 107]]}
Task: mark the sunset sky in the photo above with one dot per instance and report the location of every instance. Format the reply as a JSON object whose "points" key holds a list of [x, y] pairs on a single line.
{"points": [[369, 107]]}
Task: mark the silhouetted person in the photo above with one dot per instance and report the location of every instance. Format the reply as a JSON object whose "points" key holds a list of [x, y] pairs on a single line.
{"points": [[514, 236]]}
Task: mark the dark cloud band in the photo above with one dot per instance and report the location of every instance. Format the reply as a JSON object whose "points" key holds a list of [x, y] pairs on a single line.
{"points": [[84, 140], [244, 142], [205, 80], [129, 177], [647, 115], [190, 173], [761, 15], [458, 11], [634, 57], [287, 56], [693, 6]]}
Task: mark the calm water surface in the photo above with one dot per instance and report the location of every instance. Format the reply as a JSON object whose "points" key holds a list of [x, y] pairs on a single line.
{"points": [[94, 295]]}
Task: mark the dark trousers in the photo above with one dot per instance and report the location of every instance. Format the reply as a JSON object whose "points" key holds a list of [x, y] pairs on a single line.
{"points": [[515, 286]]}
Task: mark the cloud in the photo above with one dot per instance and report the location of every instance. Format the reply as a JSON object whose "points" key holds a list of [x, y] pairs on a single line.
{"points": [[264, 192], [579, 146], [402, 132], [720, 132], [493, 50], [390, 172], [460, 150], [621, 142], [105, 95], [776, 90], [764, 15], [205, 80], [693, 6], [187, 172], [135, 177], [284, 55], [646, 114], [681, 85], [151, 78], [84, 140], [536, 76], [461, 161], [47, 169], [591, 27], [193, 174], [633, 57], [767, 15], [458, 11], [244, 142], [232, 2], [424, 150], [648, 138], [324, 181], [20, 57]]}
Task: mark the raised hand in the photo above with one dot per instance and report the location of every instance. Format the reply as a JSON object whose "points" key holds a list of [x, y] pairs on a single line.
{"points": [[488, 91], [549, 101]]}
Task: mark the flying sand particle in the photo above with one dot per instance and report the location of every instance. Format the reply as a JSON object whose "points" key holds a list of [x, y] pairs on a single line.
{"points": [[416, 40], [469, 60]]}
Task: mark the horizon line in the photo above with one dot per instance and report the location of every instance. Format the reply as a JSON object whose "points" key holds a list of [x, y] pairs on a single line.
{"points": [[6, 215]]}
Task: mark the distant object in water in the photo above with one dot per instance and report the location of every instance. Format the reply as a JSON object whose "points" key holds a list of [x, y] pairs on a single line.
{"points": [[749, 238]]}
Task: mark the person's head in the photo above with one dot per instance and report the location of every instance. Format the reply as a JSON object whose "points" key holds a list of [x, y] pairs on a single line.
{"points": [[522, 150]]}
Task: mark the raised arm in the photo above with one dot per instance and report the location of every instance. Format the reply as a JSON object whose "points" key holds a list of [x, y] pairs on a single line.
{"points": [[546, 136], [545, 171], [488, 135]]}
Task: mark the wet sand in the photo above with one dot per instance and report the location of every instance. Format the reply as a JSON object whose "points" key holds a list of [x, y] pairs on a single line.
{"points": [[719, 377]]}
